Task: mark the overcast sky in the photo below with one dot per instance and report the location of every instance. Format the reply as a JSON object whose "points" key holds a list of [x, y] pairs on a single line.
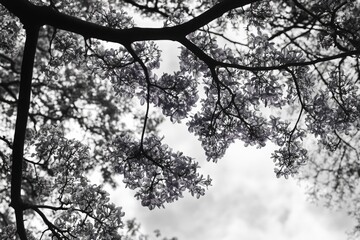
{"points": [[246, 201]]}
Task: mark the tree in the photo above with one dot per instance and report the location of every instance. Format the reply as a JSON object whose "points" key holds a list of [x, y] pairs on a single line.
{"points": [[284, 71]]}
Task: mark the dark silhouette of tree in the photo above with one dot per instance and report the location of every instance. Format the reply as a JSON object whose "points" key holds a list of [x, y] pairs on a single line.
{"points": [[284, 71]]}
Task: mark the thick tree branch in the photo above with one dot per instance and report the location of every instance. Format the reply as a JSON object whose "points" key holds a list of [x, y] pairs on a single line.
{"points": [[21, 121], [43, 15]]}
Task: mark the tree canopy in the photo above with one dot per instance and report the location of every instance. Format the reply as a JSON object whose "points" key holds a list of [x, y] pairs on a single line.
{"points": [[281, 71]]}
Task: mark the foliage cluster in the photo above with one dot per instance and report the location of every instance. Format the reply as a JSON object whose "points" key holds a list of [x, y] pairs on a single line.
{"points": [[280, 71]]}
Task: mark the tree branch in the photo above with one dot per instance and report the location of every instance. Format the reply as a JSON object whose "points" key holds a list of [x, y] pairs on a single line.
{"points": [[147, 77], [43, 15], [21, 121], [146, 8]]}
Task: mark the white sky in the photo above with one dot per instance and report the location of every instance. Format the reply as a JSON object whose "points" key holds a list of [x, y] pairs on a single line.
{"points": [[246, 201]]}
